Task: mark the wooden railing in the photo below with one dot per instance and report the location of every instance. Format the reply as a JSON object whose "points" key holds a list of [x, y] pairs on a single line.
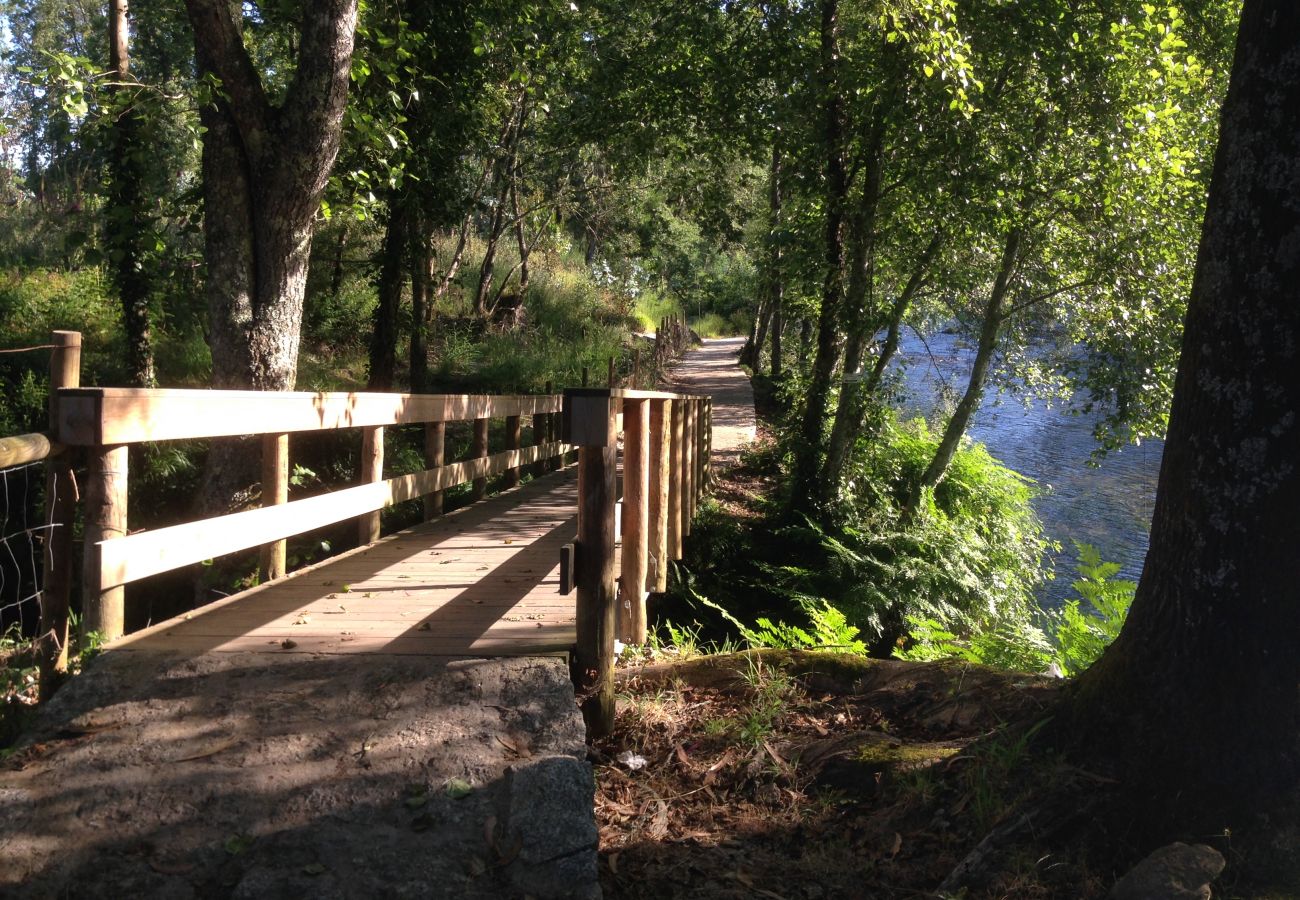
{"points": [[106, 421], [666, 444]]}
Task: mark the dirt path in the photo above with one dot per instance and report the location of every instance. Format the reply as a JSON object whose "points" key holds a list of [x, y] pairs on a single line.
{"points": [[712, 369]]}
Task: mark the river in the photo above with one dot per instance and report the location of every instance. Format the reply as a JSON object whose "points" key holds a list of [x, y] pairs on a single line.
{"points": [[1108, 505]]}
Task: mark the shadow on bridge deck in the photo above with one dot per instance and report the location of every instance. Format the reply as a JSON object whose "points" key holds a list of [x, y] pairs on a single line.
{"points": [[481, 581]]}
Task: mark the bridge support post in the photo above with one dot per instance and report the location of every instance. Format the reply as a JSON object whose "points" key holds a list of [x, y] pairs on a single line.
{"points": [[103, 605], [275, 490], [688, 465], [480, 451], [675, 492], [435, 441], [60, 511], [589, 423], [513, 438], [636, 520], [372, 470], [660, 479]]}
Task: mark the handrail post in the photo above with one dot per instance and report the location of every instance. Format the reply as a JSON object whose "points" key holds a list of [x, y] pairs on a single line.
{"points": [[513, 438], [275, 491], [103, 605], [675, 494], [660, 479], [372, 470], [688, 465], [589, 423], [435, 442], [539, 423], [480, 451], [636, 520], [60, 510]]}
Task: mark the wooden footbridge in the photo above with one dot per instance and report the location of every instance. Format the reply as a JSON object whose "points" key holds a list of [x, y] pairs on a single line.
{"points": [[555, 566]]}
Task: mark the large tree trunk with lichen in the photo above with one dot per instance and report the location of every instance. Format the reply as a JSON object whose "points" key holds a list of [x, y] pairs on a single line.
{"points": [[1195, 707], [264, 170]]}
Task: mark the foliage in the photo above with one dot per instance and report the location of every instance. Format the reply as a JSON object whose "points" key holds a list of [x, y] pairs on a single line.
{"points": [[1066, 642], [829, 629]]}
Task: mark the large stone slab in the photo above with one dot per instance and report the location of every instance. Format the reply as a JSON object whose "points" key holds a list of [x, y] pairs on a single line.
{"points": [[326, 776]]}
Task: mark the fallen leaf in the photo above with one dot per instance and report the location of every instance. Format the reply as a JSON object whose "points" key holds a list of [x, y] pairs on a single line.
{"points": [[659, 824], [612, 859], [288, 643], [212, 751], [313, 869], [898, 845], [458, 787]]}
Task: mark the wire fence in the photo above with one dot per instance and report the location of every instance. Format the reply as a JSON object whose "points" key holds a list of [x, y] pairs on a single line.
{"points": [[22, 544]]}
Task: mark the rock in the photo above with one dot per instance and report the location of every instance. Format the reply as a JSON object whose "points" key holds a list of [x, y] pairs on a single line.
{"points": [[1174, 872], [550, 819]]}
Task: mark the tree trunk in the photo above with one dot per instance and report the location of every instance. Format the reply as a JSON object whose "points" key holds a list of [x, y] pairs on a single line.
{"points": [[421, 256], [852, 409], [805, 342], [778, 325], [126, 227], [264, 170], [994, 314], [1195, 705], [808, 446], [392, 271]]}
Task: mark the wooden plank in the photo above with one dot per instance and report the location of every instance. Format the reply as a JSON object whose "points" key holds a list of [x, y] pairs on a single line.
{"points": [[92, 416], [104, 600], [556, 642], [372, 471], [675, 481], [636, 521], [275, 491], [660, 478], [127, 559], [21, 449]]}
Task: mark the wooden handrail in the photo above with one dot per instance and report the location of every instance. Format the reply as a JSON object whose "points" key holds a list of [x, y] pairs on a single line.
{"points": [[21, 449], [90, 417]]}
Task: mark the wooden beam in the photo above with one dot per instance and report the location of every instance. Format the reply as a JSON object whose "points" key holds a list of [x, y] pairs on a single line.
{"points": [[372, 471], [275, 491], [60, 517], [660, 479], [96, 416], [479, 450], [435, 443], [21, 449], [103, 599], [688, 466], [636, 520], [128, 559]]}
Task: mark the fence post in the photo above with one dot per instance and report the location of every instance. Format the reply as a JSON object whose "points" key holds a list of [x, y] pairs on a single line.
{"points": [[372, 470], [435, 440], [660, 478], [479, 451], [103, 606], [589, 423], [675, 479], [275, 490], [688, 465], [636, 520], [60, 509], [514, 436]]}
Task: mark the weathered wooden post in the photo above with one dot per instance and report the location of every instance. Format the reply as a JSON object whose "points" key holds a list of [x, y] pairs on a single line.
{"points": [[435, 443], [480, 451], [589, 423], [675, 493], [372, 470], [636, 520], [103, 605], [60, 510], [513, 438], [275, 490], [688, 465], [660, 478], [540, 423]]}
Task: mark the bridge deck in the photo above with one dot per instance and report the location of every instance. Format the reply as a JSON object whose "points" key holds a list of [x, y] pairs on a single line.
{"points": [[481, 581]]}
